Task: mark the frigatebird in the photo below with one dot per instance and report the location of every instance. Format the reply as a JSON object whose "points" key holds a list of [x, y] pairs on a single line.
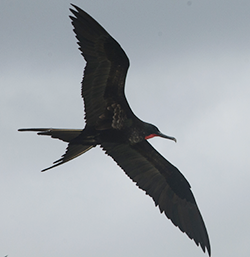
{"points": [[111, 123]]}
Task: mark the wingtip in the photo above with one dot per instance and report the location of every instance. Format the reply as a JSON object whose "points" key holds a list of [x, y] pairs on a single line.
{"points": [[76, 7], [209, 250], [206, 247], [73, 5]]}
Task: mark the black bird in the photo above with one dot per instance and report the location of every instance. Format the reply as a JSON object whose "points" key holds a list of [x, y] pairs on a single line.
{"points": [[111, 124]]}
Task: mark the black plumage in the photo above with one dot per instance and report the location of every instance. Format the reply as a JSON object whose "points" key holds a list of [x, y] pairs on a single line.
{"points": [[111, 124]]}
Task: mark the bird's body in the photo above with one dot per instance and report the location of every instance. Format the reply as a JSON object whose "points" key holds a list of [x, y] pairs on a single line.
{"points": [[111, 124]]}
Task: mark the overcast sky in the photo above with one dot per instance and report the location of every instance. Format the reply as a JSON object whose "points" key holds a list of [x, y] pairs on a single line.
{"points": [[189, 75]]}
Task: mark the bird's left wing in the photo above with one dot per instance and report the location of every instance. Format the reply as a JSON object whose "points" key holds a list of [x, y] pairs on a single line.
{"points": [[164, 183]]}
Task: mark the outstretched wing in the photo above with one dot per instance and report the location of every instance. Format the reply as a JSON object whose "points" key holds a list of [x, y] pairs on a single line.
{"points": [[106, 68], [164, 183]]}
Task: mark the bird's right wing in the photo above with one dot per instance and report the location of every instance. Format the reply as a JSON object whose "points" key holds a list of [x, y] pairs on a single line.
{"points": [[106, 68], [164, 183]]}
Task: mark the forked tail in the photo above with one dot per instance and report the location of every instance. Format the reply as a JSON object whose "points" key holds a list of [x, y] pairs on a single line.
{"points": [[67, 135]]}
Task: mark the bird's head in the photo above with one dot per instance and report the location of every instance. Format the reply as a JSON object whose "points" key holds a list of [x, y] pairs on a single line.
{"points": [[153, 131]]}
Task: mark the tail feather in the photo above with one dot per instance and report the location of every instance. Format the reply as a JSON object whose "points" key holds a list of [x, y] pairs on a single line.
{"points": [[72, 152], [67, 135]]}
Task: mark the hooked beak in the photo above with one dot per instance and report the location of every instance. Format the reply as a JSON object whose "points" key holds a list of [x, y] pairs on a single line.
{"points": [[165, 136]]}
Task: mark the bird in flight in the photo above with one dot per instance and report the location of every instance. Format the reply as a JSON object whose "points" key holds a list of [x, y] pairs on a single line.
{"points": [[111, 124]]}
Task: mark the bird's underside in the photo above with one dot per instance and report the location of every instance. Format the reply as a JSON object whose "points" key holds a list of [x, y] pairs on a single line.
{"points": [[111, 124]]}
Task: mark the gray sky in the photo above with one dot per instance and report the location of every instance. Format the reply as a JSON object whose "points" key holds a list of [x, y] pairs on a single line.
{"points": [[191, 60]]}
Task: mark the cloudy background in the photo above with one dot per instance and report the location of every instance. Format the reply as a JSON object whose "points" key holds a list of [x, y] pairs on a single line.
{"points": [[189, 75]]}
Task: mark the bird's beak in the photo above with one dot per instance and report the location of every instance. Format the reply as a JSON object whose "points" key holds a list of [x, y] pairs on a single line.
{"points": [[165, 136]]}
